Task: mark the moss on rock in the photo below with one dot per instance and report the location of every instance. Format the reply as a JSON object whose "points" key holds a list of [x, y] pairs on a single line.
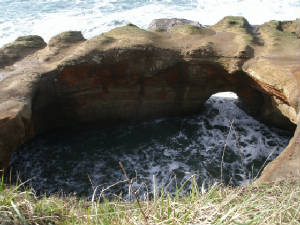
{"points": [[281, 35], [231, 22], [130, 35], [190, 29], [68, 37], [20, 48], [127, 30], [30, 41]]}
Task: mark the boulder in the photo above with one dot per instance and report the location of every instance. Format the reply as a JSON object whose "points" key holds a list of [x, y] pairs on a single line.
{"points": [[167, 24], [21, 47], [64, 39], [129, 74]]}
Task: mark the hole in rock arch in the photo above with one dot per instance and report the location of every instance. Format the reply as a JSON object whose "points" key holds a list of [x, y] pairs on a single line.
{"points": [[169, 149]]}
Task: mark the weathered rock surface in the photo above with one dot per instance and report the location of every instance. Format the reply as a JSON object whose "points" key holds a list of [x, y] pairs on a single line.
{"points": [[21, 47], [65, 39], [130, 74], [168, 24]]}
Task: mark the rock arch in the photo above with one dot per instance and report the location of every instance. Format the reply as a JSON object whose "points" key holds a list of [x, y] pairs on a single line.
{"points": [[130, 74], [136, 88]]}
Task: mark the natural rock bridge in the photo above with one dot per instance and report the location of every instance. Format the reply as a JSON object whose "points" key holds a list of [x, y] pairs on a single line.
{"points": [[130, 74]]}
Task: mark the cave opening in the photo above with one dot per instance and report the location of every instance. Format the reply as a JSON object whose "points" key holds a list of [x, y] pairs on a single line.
{"points": [[221, 143]]}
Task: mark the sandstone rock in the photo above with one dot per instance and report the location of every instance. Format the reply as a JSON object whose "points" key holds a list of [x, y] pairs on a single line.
{"points": [[291, 26], [21, 47], [168, 24], [130, 74], [65, 39], [233, 23], [191, 29]]}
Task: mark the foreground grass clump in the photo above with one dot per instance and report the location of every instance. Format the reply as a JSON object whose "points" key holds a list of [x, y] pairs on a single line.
{"points": [[274, 203]]}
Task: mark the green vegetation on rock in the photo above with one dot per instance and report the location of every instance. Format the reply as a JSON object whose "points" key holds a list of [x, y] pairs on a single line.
{"points": [[128, 30], [190, 29], [66, 37], [131, 35], [238, 25], [18, 49], [233, 22], [281, 36], [292, 26], [30, 41]]}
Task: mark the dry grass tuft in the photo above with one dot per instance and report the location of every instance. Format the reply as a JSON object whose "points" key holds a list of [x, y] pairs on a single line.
{"points": [[273, 203]]}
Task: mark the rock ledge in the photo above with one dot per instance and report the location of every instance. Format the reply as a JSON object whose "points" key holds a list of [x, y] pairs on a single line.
{"points": [[130, 74]]}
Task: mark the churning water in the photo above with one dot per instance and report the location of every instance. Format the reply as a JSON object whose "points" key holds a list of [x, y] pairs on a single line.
{"points": [[50, 17], [169, 149]]}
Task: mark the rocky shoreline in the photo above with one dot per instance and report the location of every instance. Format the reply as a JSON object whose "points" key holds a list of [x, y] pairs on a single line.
{"points": [[130, 74]]}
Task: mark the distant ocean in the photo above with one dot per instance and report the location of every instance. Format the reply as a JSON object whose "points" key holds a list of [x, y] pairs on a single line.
{"points": [[50, 17]]}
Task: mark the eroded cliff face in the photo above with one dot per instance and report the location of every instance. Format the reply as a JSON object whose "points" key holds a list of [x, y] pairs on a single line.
{"points": [[130, 74]]}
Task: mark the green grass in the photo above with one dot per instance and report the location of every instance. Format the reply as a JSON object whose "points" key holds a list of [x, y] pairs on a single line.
{"points": [[273, 203]]}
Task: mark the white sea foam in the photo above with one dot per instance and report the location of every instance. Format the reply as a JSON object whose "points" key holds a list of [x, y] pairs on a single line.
{"points": [[170, 149], [50, 17]]}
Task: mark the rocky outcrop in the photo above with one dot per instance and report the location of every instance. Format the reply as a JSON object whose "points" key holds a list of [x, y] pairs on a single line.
{"points": [[130, 74], [168, 24], [20, 48]]}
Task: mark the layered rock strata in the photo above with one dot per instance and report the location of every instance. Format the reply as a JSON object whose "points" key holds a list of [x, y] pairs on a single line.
{"points": [[130, 74]]}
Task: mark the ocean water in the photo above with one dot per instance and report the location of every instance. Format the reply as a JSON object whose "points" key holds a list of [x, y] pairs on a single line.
{"points": [[165, 152], [168, 150], [50, 17]]}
